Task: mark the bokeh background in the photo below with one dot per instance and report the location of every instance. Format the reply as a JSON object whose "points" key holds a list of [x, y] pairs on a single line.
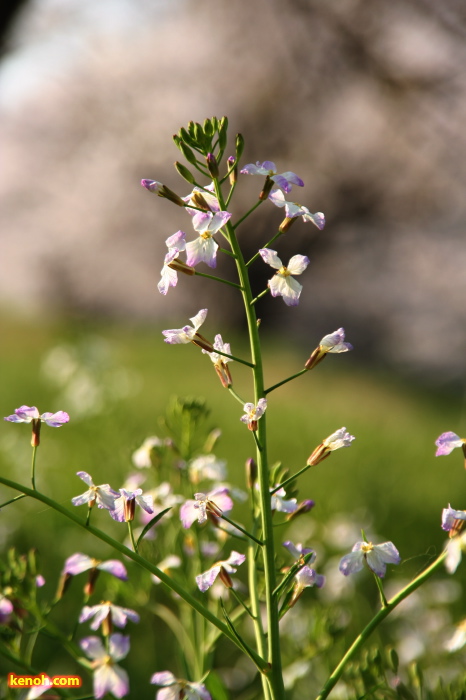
{"points": [[367, 103]]}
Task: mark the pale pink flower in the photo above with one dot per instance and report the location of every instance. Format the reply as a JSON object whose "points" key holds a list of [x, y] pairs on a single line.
{"points": [[282, 283]]}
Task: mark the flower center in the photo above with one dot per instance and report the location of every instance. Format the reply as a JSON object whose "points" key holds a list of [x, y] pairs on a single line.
{"points": [[367, 547], [206, 235], [284, 272]]}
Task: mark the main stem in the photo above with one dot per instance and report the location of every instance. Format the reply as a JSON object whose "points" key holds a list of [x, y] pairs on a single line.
{"points": [[275, 677]]}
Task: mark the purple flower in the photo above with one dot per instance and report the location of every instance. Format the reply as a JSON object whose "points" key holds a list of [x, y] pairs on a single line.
{"points": [[450, 518], [292, 209], [189, 334], [176, 688], [268, 168], [78, 563], [106, 610], [6, 610], [332, 343], [152, 185], [204, 248], [376, 556], [297, 550], [220, 568], [216, 502], [447, 442], [28, 414], [125, 505], [108, 676], [282, 283], [253, 413], [103, 495], [169, 277]]}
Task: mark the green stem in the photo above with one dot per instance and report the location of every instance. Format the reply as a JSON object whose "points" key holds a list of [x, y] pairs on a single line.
{"points": [[218, 279], [241, 529], [12, 500], [238, 398], [383, 599], [33, 467], [241, 601], [267, 245], [290, 479], [230, 194], [240, 221], [273, 636], [259, 296], [236, 359], [285, 381], [171, 583], [227, 252], [375, 622]]}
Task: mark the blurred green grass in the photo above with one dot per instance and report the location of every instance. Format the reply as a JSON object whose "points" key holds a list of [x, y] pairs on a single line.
{"points": [[389, 479]]}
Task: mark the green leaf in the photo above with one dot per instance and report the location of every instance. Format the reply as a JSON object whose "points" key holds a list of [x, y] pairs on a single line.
{"points": [[215, 687], [151, 524]]}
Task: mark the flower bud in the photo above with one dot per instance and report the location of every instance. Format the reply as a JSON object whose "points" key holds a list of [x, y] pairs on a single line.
{"points": [[162, 191], [185, 173], [199, 201], [232, 170], [286, 224], [181, 266], [303, 507], [239, 146], [129, 509], [251, 472], [320, 453], [212, 165]]}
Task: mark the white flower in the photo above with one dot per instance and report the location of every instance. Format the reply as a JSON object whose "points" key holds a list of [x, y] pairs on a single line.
{"points": [[220, 361], [103, 495], [459, 638], [253, 413], [292, 209], [169, 277], [376, 556], [204, 248], [340, 438], [269, 169], [281, 504], [216, 502], [108, 676], [142, 457], [282, 283], [177, 688], [332, 343], [188, 334], [207, 467], [223, 568]]}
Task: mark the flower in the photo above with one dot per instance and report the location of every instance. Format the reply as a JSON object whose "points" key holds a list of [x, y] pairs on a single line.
{"points": [[335, 441], [103, 495], [306, 576], [177, 688], [30, 414], [220, 361], [202, 198], [293, 209], [453, 520], [207, 467], [78, 563], [204, 248], [332, 343], [108, 676], [220, 568], [447, 442], [125, 505], [215, 502], [253, 413], [6, 610], [162, 191], [282, 283], [283, 506], [297, 550], [376, 556], [169, 277], [143, 457], [455, 547], [107, 611], [268, 168], [459, 638], [189, 334], [170, 562]]}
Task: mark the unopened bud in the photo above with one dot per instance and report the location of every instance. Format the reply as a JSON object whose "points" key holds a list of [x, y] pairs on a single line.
{"points": [[303, 507], [239, 146], [232, 170], [225, 578], [212, 165], [286, 224], [185, 173], [162, 191], [251, 472], [35, 437], [268, 184]]}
